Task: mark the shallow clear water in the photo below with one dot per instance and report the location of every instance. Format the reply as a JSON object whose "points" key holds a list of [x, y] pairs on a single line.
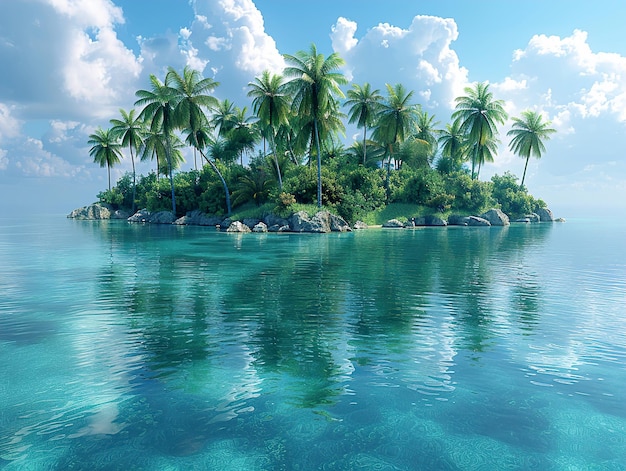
{"points": [[163, 348]]}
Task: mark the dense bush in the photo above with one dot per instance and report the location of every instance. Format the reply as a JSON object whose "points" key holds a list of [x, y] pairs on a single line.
{"points": [[352, 190], [512, 199], [468, 196], [423, 186]]}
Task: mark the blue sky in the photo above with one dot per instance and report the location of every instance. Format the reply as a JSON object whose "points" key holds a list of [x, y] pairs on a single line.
{"points": [[69, 65]]}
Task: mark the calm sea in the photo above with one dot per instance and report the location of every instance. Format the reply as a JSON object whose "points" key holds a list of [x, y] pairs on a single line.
{"points": [[180, 348]]}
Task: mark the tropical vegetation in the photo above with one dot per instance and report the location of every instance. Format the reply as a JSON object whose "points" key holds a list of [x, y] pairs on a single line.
{"points": [[288, 152]]}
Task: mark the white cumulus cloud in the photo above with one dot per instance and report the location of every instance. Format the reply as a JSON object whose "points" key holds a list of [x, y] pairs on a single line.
{"points": [[420, 57]]}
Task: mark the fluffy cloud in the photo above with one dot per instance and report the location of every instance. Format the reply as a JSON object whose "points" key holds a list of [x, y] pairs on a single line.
{"points": [[227, 40], [9, 125], [420, 57], [583, 93], [65, 58]]}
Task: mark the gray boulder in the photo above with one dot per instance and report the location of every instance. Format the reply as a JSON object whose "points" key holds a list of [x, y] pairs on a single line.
{"points": [[456, 220], [279, 228], [432, 220], [337, 223], [97, 211], [162, 217], [523, 220], [393, 223], [225, 223], [301, 222], [545, 215], [198, 218], [251, 222], [145, 216], [273, 220], [477, 221], [237, 226], [259, 227], [496, 217], [359, 225]]}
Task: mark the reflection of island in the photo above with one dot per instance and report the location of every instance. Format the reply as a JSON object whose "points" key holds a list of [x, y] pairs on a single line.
{"points": [[215, 313]]}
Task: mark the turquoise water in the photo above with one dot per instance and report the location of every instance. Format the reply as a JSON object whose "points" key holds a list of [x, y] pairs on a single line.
{"points": [[165, 348]]}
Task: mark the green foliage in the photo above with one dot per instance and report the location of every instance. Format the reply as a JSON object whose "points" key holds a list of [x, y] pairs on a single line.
{"points": [[470, 196], [113, 197], [513, 199], [392, 211], [302, 183], [423, 186]]}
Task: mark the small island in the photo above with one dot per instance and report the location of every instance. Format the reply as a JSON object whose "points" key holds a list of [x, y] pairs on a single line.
{"points": [[406, 170]]}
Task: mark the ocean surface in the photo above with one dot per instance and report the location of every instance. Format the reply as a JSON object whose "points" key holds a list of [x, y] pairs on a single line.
{"points": [[181, 348]]}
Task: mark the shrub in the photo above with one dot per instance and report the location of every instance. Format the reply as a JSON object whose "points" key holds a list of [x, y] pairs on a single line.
{"points": [[512, 199], [112, 197], [471, 196]]}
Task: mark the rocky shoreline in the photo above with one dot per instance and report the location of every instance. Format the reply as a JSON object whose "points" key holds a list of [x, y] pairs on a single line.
{"points": [[320, 222]]}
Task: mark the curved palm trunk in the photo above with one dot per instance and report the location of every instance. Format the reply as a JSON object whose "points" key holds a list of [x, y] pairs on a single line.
{"points": [[132, 159], [524, 175], [319, 163], [219, 174], [280, 178], [109, 173], [364, 146], [168, 154]]}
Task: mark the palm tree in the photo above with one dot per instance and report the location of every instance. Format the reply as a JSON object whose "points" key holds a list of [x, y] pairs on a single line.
{"points": [[478, 113], [105, 149], [243, 134], [224, 117], [528, 133], [453, 147], [159, 105], [485, 152], [364, 104], [189, 115], [153, 147], [315, 84], [396, 120], [191, 91], [130, 129], [201, 139], [271, 106], [426, 132]]}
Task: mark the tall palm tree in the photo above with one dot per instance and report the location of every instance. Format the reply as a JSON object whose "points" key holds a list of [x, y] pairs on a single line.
{"points": [[315, 84], [271, 106], [397, 119], [201, 139], [189, 114], [224, 117], [153, 147], [485, 152], [426, 132], [364, 104], [244, 134], [105, 149], [478, 114], [192, 97], [528, 133], [159, 104], [130, 130], [453, 147]]}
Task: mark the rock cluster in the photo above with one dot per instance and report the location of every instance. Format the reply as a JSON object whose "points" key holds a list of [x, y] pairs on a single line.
{"points": [[97, 211], [321, 222], [493, 217]]}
